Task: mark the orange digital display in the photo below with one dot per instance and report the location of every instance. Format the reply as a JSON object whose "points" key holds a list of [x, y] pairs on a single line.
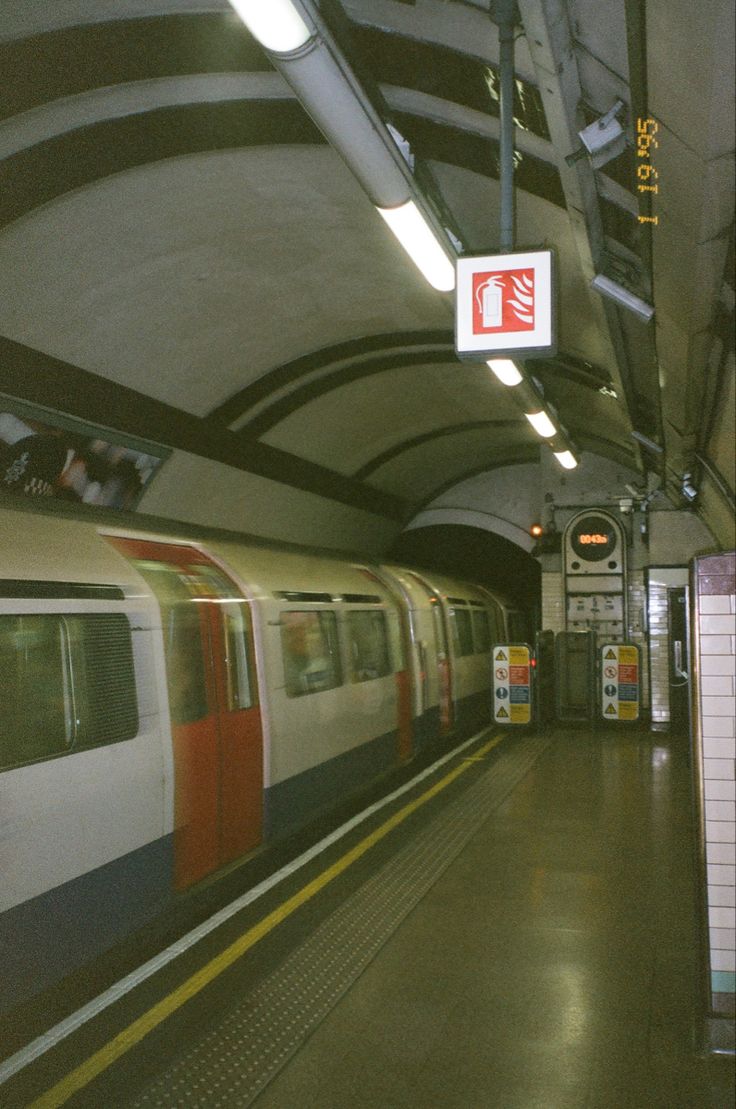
{"points": [[645, 172], [595, 538]]}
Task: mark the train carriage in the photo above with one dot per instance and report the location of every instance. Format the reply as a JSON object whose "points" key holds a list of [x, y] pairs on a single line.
{"points": [[173, 704]]}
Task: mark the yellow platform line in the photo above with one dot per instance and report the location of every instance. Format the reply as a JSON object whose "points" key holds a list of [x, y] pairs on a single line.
{"points": [[94, 1066]]}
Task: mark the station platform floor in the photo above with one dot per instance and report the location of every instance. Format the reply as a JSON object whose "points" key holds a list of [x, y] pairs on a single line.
{"points": [[517, 930]]}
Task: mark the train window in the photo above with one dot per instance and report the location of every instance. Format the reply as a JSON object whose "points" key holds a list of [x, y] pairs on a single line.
{"points": [[184, 662], [367, 646], [183, 645], [37, 700], [101, 650], [462, 631], [395, 641], [68, 684], [439, 630], [310, 651], [481, 630], [237, 661]]}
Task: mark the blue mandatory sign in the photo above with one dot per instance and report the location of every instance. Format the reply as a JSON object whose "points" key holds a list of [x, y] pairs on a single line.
{"points": [[628, 692], [611, 690], [519, 694], [502, 693]]}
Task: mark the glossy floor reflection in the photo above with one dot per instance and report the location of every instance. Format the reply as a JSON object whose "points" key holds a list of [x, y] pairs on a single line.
{"points": [[552, 966]]}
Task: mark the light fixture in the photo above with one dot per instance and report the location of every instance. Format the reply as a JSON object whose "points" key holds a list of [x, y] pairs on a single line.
{"points": [[622, 296], [602, 140], [419, 241], [646, 442], [505, 370], [378, 156], [541, 423], [689, 491], [566, 459], [275, 23]]}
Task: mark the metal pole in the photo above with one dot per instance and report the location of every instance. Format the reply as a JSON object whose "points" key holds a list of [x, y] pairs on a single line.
{"points": [[505, 14]]}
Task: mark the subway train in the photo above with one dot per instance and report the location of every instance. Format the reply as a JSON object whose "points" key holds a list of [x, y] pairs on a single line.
{"points": [[172, 704]]}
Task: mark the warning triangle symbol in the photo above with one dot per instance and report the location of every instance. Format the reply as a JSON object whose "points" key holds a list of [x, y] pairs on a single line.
{"points": [[611, 653], [501, 656], [611, 710], [501, 713]]}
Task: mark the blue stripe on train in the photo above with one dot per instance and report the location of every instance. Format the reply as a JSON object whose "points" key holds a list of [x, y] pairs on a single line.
{"points": [[67, 927], [59, 931], [291, 803]]}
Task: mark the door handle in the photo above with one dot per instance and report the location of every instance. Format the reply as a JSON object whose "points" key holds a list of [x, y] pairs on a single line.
{"points": [[678, 661]]}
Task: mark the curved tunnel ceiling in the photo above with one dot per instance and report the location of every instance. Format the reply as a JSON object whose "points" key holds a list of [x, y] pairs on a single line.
{"points": [[185, 258]]}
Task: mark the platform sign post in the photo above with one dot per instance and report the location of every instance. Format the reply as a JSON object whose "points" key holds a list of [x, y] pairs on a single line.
{"points": [[620, 681], [512, 679]]}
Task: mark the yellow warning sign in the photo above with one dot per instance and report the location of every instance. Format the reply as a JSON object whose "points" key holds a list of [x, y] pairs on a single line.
{"points": [[501, 656], [520, 714], [519, 656], [611, 653], [610, 711], [628, 655], [628, 710], [502, 714]]}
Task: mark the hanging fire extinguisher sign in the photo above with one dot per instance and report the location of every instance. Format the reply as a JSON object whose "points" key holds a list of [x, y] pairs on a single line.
{"points": [[505, 305]]}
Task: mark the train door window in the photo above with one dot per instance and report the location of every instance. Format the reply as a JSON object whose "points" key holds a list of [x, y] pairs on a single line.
{"points": [[310, 651], [103, 678], [395, 641], [37, 709], [481, 630], [183, 631], [439, 630], [496, 624], [367, 645], [462, 630], [237, 657]]}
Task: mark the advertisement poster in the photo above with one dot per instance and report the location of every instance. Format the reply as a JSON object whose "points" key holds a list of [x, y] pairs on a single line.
{"points": [[45, 456]]}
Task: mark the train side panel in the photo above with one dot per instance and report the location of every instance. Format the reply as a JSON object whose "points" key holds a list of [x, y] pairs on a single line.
{"points": [[85, 774], [331, 731]]}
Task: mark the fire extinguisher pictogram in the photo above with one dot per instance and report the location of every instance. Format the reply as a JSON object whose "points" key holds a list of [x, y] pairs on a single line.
{"points": [[489, 296], [503, 302]]}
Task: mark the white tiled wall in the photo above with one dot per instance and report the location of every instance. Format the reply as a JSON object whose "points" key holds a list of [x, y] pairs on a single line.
{"points": [[716, 616], [553, 609]]}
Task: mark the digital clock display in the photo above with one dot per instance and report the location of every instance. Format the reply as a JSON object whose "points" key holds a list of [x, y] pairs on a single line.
{"points": [[593, 539]]}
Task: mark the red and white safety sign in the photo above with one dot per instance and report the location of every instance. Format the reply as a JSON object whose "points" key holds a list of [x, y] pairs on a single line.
{"points": [[504, 304], [620, 681], [512, 701]]}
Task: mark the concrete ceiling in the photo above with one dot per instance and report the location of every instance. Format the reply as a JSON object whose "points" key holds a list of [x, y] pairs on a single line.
{"points": [[183, 258]]}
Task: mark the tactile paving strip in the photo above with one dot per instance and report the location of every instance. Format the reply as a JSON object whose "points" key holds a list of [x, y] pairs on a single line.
{"points": [[236, 1059]]}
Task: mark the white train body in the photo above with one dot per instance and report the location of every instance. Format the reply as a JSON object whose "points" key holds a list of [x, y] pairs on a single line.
{"points": [[170, 705]]}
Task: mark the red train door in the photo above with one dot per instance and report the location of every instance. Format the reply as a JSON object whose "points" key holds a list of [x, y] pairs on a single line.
{"points": [[215, 717], [404, 718], [444, 673]]}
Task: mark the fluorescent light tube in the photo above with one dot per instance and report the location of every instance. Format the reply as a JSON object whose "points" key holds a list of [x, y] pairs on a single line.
{"points": [[505, 370], [541, 423], [623, 297], [419, 241], [647, 442], [566, 459], [275, 23]]}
